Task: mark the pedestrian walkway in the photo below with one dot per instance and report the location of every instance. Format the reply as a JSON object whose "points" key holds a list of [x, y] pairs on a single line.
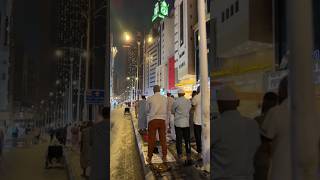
{"points": [[73, 163], [124, 155], [176, 169], [28, 162]]}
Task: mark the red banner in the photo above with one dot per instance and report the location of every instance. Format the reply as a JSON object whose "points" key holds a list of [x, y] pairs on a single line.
{"points": [[171, 73]]}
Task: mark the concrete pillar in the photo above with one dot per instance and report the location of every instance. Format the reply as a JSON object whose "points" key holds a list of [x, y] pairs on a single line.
{"points": [[305, 141]]}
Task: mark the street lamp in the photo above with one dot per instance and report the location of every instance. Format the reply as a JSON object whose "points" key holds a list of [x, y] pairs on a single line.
{"points": [[89, 16], [127, 37], [58, 53], [150, 39]]}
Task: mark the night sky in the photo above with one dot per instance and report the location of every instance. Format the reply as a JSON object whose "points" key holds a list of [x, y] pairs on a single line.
{"points": [[131, 16]]}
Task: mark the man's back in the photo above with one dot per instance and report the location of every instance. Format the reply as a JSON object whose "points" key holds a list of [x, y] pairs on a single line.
{"points": [[276, 127], [142, 105], [235, 142], [99, 142], [196, 101], [170, 101], [157, 107], [181, 108]]}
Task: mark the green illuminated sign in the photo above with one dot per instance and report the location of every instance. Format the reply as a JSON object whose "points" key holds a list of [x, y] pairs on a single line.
{"points": [[161, 10]]}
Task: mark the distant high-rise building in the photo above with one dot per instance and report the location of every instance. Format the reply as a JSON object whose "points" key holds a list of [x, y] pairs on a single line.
{"points": [[30, 72], [5, 19], [151, 61], [69, 34], [167, 52]]}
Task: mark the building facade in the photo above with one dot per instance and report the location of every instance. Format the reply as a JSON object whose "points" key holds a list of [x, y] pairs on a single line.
{"points": [[185, 17], [69, 43], [152, 59], [5, 19], [166, 29], [244, 48]]}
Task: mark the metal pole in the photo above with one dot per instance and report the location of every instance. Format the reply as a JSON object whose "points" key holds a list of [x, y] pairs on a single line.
{"points": [[88, 55], [108, 63], [205, 100], [112, 51], [138, 70], [70, 92], [305, 137], [79, 89]]}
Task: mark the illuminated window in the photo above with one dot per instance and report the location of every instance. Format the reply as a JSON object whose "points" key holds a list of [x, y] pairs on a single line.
{"points": [[237, 6]]}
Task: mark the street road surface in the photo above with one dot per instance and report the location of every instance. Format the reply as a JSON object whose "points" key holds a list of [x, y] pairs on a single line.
{"points": [[125, 159], [28, 163]]}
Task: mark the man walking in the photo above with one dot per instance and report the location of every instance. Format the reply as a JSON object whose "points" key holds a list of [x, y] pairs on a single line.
{"points": [[170, 118], [197, 123], [99, 142], [181, 108], [142, 116], [157, 115], [277, 128], [235, 140]]}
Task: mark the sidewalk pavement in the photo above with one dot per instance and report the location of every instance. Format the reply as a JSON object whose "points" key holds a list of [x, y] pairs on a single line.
{"points": [[28, 162], [177, 171], [73, 164]]}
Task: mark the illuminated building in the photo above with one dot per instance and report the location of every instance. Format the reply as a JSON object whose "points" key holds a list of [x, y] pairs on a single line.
{"points": [[185, 18], [5, 18]]}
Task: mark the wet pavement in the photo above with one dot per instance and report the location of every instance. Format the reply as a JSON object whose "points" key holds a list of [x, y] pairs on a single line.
{"points": [[125, 160], [28, 162]]}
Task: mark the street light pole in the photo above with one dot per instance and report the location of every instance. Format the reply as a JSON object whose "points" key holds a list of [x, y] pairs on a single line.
{"points": [[79, 80], [205, 100], [137, 91], [71, 92], [88, 56], [302, 104]]}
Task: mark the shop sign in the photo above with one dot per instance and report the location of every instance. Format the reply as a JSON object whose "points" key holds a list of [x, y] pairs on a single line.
{"points": [[274, 78], [161, 10]]}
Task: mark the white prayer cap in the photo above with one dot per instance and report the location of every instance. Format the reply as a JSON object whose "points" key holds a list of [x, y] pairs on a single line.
{"points": [[227, 94], [181, 91]]}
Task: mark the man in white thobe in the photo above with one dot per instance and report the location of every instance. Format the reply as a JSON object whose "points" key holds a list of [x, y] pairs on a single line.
{"points": [[181, 108], [235, 140], [277, 128], [142, 114], [170, 120]]}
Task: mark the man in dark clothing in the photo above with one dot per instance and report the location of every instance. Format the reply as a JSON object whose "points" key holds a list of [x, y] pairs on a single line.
{"points": [[100, 143]]}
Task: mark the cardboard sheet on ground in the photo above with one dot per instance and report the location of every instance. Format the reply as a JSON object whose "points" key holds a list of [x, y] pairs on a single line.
{"points": [[156, 158], [143, 147]]}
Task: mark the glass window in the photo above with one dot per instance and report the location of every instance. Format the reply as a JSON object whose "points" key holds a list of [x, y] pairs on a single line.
{"points": [[227, 13], [231, 10], [222, 17], [181, 24], [237, 6], [208, 5], [6, 31], [316, 18]]}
